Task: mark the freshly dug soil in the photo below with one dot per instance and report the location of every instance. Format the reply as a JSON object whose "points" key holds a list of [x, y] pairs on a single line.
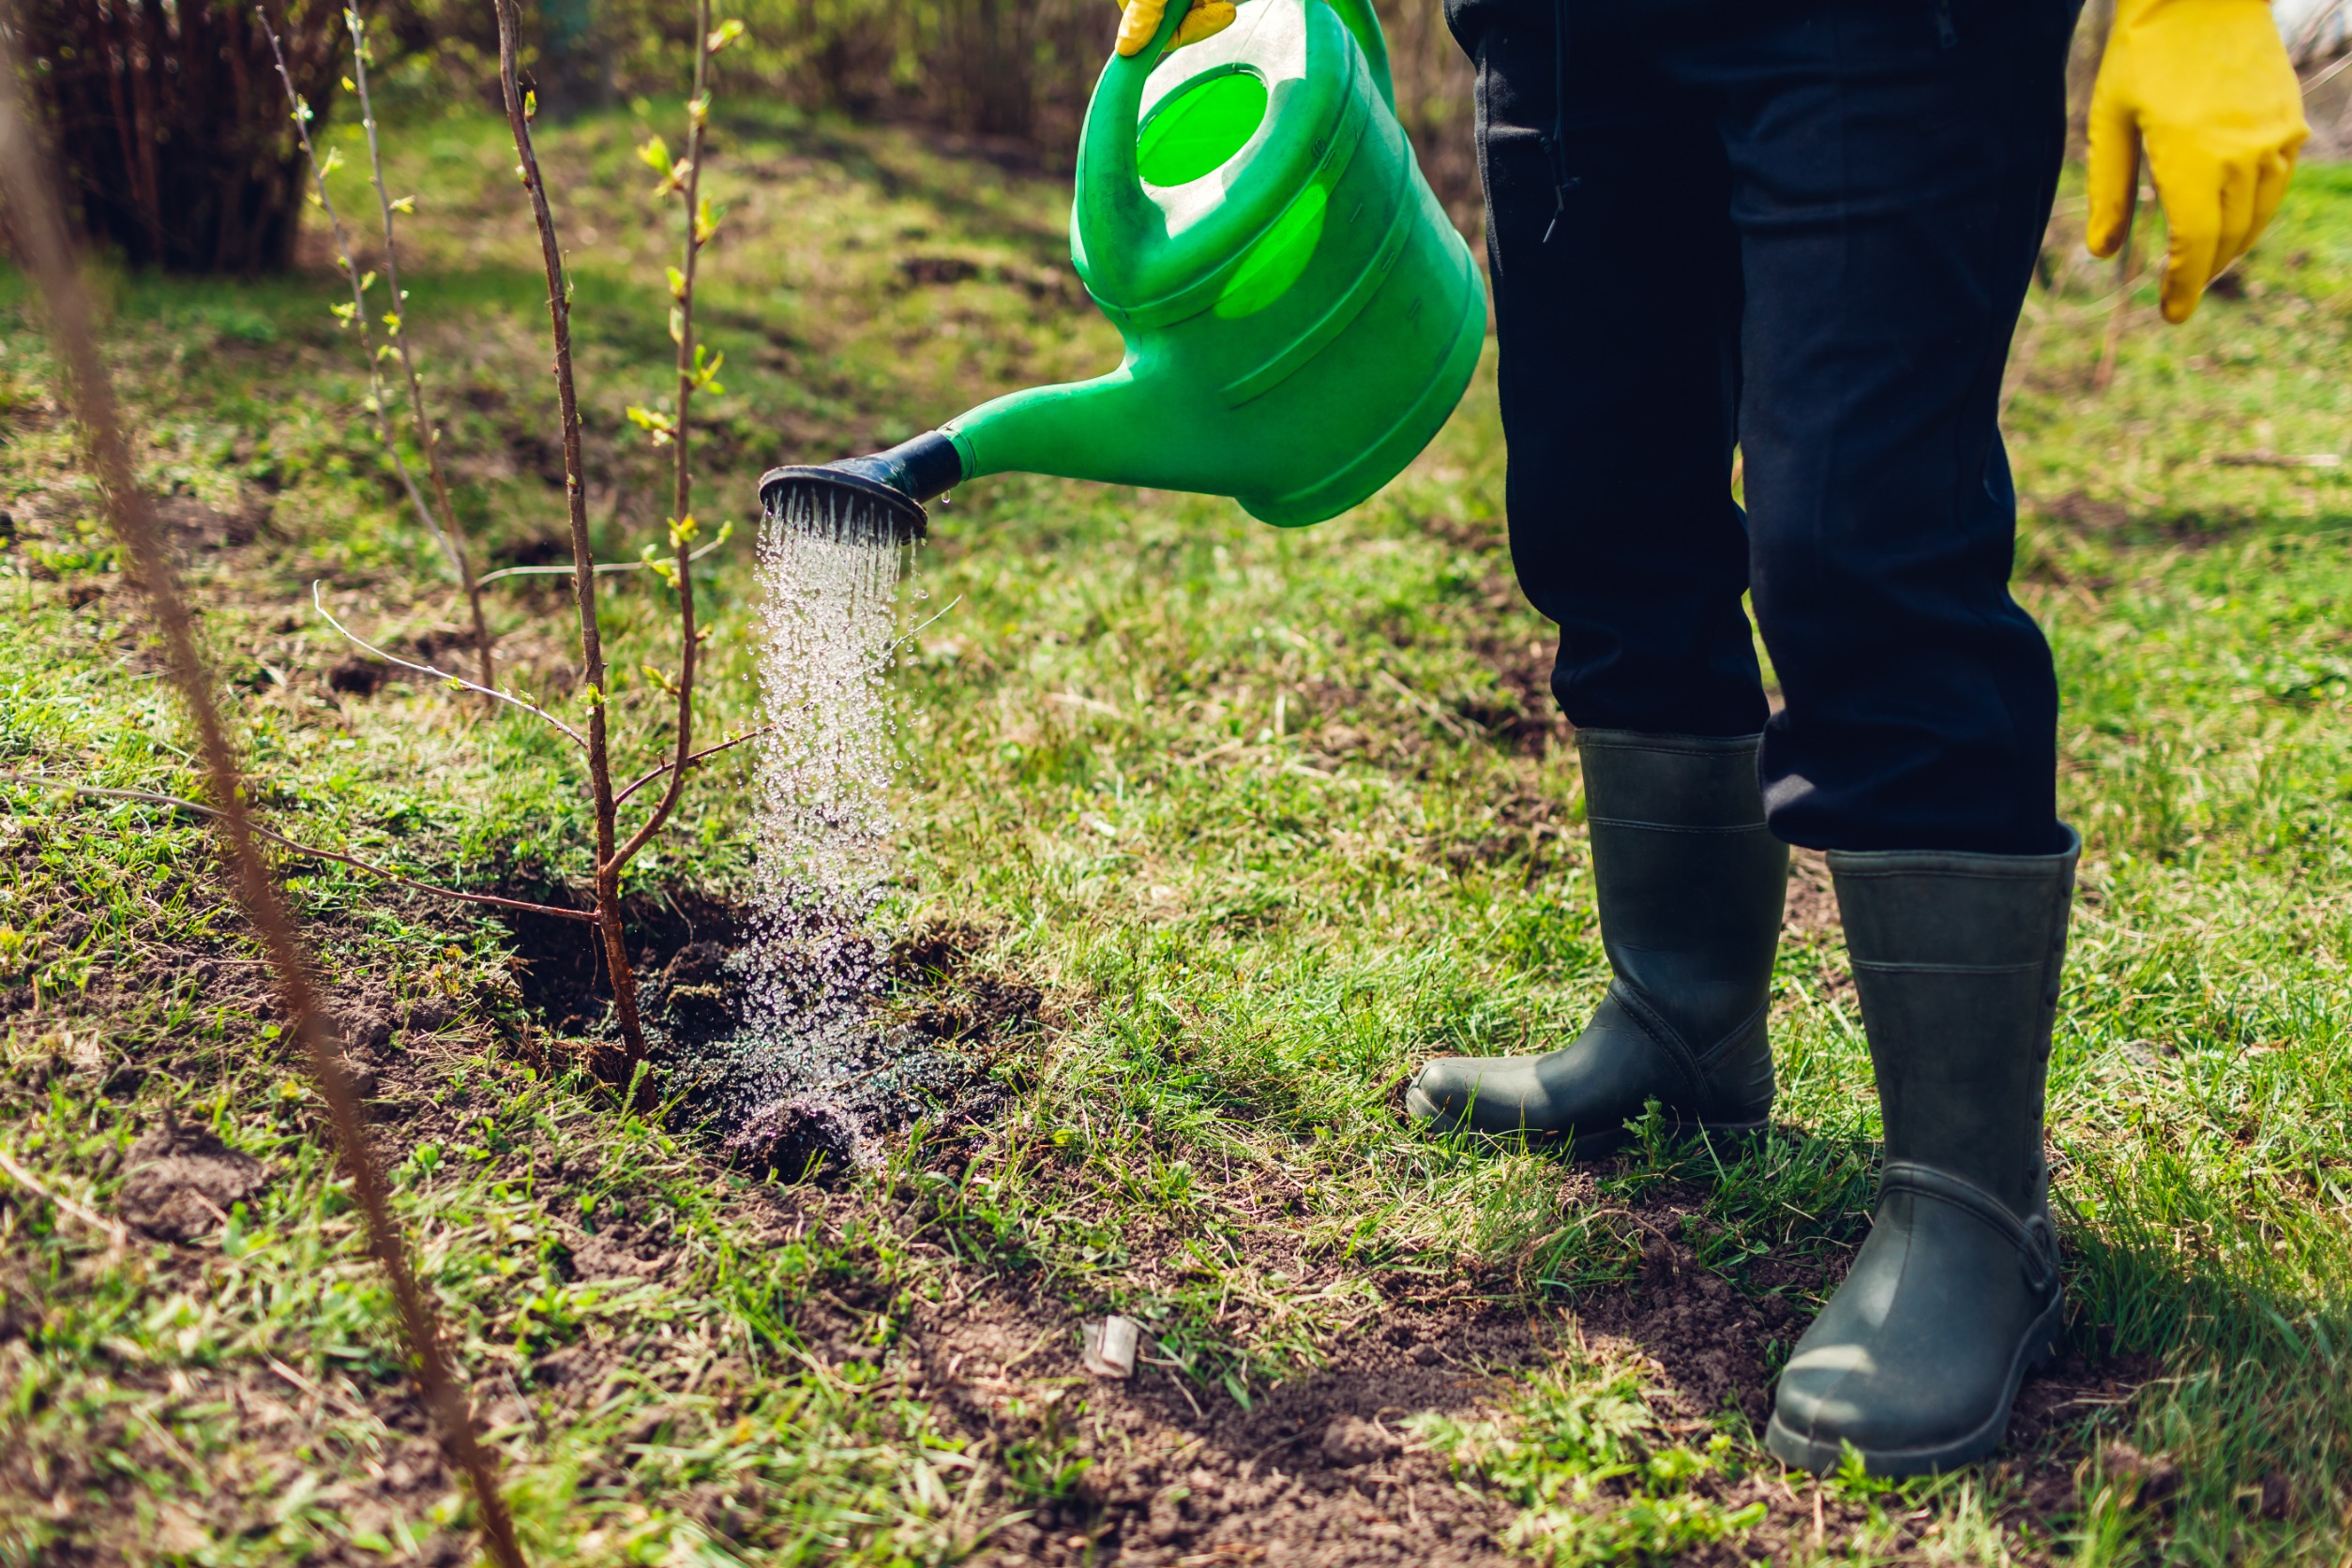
{"points": [[930, 1052]]}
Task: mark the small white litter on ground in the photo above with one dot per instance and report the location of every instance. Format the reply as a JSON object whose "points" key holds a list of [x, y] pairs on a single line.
{"points": [[1110, 1348]]}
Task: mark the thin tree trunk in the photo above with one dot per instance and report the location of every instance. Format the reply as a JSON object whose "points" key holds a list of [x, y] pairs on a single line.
{"points": [[559, 306]]}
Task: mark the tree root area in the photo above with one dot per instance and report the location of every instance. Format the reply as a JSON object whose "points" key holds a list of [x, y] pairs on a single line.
{"points": [[923, 1046]]}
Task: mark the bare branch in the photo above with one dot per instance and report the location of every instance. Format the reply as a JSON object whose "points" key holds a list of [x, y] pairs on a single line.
{"points": [[689, 376], [436, 672], [728, 744], [379, 401], [396, 328], [519, 111], [488, 578], [312, 850], [914, 631], [37, 228]]}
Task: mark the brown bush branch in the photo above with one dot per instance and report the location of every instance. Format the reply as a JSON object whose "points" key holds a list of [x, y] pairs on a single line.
{"points": [[379, 399], [519, 111], [39, 229], [691, 375], [396, 328], [727, 745]]}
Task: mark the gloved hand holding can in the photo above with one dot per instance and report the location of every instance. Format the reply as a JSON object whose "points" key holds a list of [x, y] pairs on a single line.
{"points": [[1141, 19], [2205, 86]]}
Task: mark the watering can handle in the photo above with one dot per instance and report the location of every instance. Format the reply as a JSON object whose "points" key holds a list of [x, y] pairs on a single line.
{"points": [[1107, 156], [1108, 174], [1361, 20]]}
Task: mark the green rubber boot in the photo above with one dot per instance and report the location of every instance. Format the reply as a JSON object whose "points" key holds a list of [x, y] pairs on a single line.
{"points": [[1954, 1296], [1691, 885]]}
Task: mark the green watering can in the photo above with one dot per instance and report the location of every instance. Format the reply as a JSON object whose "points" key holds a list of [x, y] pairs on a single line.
{"points": [[1301, 317]]}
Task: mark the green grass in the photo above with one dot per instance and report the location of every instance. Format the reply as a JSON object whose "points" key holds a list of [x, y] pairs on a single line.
{"points": [[1245, 803]]}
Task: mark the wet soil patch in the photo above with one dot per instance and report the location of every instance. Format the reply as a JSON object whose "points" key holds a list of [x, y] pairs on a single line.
{"points": [[931, 1046], [1149, 1471]]}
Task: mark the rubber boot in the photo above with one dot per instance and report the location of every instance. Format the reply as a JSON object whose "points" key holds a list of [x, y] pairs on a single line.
{"points": [[1691, 885], [1954, 1296]]}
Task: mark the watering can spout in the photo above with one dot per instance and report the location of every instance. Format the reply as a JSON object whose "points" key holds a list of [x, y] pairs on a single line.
{"points": [[1089, 430]]}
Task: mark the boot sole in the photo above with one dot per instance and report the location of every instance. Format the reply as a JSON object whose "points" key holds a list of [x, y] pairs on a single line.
{"points": [[1425, 1115], [1820, 1456]]}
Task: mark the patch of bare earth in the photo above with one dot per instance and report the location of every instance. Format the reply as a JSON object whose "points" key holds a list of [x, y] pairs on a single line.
{"points": [[1317, 1470]]}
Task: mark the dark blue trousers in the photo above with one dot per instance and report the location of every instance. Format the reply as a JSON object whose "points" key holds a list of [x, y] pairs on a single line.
{"points": [[1802, 228]]}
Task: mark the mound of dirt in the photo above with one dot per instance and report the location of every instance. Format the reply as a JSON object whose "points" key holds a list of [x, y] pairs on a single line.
{"points": [[802, 1136], [182, 1180]]}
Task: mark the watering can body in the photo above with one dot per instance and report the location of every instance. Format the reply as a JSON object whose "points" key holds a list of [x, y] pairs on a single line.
{"points": [[1300, 315]]}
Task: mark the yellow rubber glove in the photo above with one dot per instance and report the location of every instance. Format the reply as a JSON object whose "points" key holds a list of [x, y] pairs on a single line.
{"points": [[2207, 88], [1140, 19]]}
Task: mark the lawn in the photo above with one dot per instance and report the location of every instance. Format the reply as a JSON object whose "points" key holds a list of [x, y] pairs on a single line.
{"points": [[1207, 832]]}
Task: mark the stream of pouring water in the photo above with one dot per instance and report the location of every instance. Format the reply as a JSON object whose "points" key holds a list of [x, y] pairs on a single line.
{"points": [[830, 582]]}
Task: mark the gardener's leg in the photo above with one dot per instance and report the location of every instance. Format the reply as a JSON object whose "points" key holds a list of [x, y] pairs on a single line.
{"points": [[1618, 378], [1894, 162]]}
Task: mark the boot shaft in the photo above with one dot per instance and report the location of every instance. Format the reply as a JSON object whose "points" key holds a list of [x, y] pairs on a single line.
{"points": [[1957, 959], [1690, 882]]}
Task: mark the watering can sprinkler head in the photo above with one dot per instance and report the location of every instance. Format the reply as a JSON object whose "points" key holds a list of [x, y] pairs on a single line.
{"points": [[874, 497]]}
